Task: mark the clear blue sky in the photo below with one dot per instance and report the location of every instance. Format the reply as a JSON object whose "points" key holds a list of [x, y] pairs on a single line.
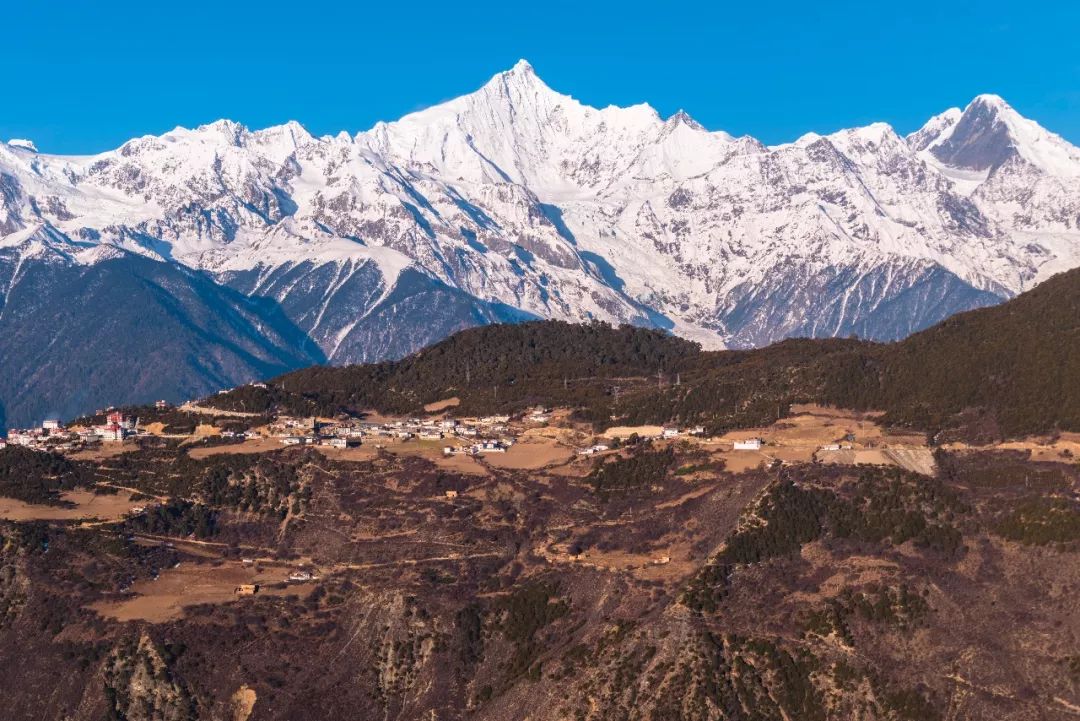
{"points": [[83, 77]]}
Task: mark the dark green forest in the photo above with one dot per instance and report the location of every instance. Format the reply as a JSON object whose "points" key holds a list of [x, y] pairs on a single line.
{"points": [[36, 477], [990, 373]]}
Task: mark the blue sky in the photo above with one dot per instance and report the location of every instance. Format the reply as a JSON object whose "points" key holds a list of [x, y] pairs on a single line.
{"points": [[83, 77]]}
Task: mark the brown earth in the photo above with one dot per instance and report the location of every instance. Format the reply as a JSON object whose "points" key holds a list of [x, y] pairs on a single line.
{"points": [[255, 445], [530, 453], [88, 505], [442, 405], [191, 584], [665, 592]]}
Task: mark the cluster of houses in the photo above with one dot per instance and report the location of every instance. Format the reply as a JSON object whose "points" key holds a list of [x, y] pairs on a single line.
{"points": [[52, 435], [594, 449], [488, 434], [665, 432], [488, 445], [669, 432]]}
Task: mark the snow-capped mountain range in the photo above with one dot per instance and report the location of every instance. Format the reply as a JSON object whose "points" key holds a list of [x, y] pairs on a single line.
{"points": [[515, 202]]}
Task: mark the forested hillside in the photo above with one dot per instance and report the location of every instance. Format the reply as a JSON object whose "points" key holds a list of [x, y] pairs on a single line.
{"points": [[1017, 364], [1002, 371]]}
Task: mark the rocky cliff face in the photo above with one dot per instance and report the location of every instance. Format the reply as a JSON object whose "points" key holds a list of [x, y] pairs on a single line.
{"points": [[516, 201]]}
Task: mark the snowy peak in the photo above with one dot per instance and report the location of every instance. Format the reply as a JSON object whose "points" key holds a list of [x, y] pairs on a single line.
{"points": [[681, 117], [989, 133], [518, 197], [517, 129], [519, 86], [523, 73], [981, 138], [931, 133], [22, 144]]}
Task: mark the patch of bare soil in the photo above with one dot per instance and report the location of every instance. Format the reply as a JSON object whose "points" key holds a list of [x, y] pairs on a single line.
{"points": [[814, 409], [256, 445], [102, 451], [364, 452], [430, 450], [854, 457], [87, 505], [531, 453], [812, 431], [461, 464], [442, 405], [193, 408], [918, 460], [627, 431], [848, 572], [243, 702], [190, 584], [1064, 449], [740, 461], [801, 438], [205, 430]]}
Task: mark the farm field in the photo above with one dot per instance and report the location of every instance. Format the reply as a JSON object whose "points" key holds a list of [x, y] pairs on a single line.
{"points": [[190, 584], [88, 506]]}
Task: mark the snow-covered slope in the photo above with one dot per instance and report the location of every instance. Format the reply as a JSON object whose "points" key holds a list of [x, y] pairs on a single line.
{"points": [[516, 201]]}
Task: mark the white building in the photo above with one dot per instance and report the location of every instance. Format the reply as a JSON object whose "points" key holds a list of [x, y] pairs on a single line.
{"points": [[750, 444], [342, 442], [592, 450], [51, 424], [20, 438], [670, 432], [111, 432]]}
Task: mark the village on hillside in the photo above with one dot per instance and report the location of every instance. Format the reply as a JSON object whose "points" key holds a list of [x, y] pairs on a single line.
{"points": [[462, 436], [473, 460], [808, 435], [53, 435]]}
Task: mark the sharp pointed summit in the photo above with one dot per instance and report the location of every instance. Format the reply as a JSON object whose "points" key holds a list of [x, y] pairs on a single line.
{"points": [[522, 74], [980, 139], [523, 67], [683, 118], [990, 133]]}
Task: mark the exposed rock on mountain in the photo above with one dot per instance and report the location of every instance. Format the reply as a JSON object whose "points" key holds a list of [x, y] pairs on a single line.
{"points": [[516, 201]]}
